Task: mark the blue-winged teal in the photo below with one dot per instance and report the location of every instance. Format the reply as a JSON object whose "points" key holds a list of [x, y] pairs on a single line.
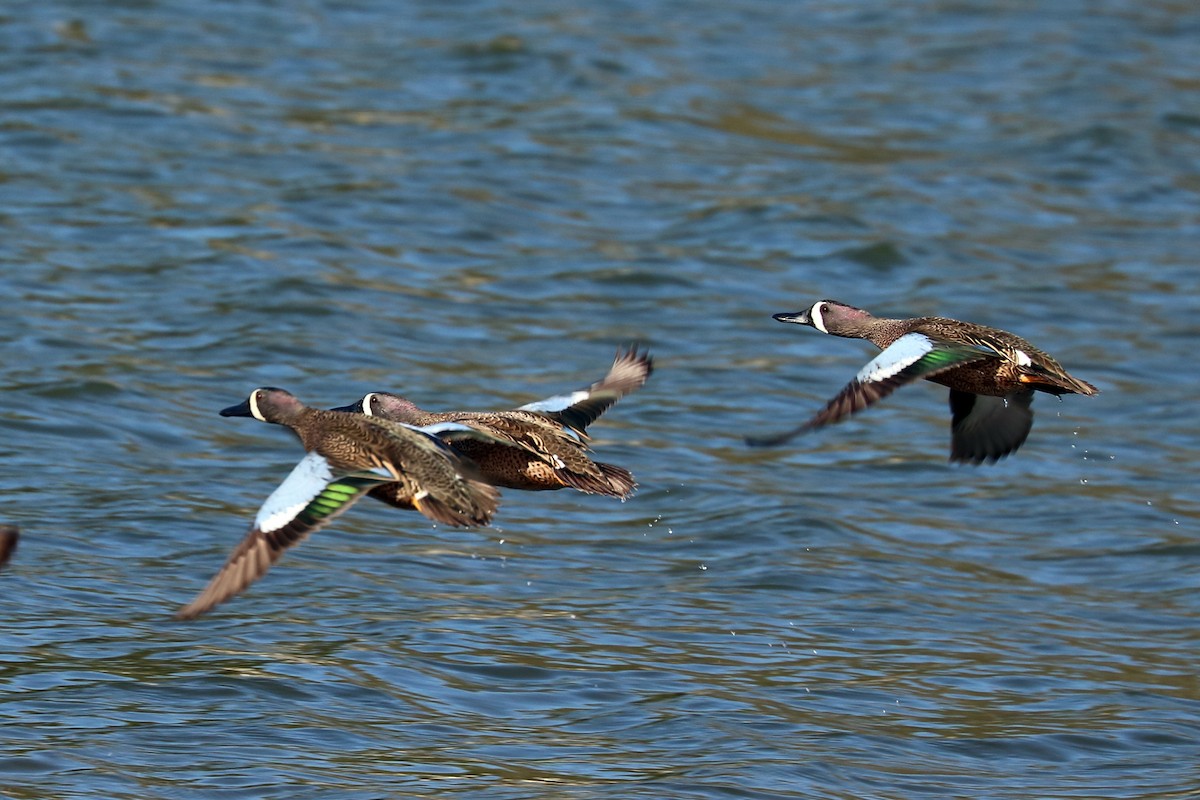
{"points": [[348, 455], [992, 375], [9, 535], [538, 446]]}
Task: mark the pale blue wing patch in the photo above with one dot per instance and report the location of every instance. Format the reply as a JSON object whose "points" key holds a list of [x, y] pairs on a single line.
{"points": [[450, 428], [307, 480], [311, 495], [914, 355], [457, 431], [559, 402], [442, 432], [298, 489], [901, 354], [910, 357]]}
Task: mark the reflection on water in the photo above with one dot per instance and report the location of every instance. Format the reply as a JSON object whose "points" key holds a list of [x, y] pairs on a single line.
{"points": [[474, 206]]}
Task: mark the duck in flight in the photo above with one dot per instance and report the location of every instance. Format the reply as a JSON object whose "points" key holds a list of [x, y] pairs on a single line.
{"points": [[348, 455], [537, 446], [992, 375]]}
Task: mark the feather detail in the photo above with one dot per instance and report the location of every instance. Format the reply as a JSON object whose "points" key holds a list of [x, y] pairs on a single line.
{"points": [[985, 428], [309, 498], [910, 357], [577, 410], [555, 404]]}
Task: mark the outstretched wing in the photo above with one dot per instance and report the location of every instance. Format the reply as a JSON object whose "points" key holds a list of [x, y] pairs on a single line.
{"points": [[910, 357], [308, 499], [577, 410]]}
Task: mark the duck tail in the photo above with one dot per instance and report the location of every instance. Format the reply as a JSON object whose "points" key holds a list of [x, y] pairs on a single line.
{"points": [[473, 505], [612, 481], [1059, 383]]}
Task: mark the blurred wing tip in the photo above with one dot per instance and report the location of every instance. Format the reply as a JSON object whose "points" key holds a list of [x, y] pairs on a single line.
{"points": [[773, 440]]}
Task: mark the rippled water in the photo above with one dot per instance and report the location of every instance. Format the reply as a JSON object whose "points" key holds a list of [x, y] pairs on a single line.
{"points": [[476, 203]]}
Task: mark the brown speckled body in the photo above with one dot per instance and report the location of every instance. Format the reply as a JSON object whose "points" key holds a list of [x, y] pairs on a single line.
{"points": [[522, 449], [527, 449], [510, 467], [992, 375], [429, 476], [348, 455], [995, 376]]}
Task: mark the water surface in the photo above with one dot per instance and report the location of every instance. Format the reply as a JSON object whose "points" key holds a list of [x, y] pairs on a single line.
{"points": [[475, 204]]}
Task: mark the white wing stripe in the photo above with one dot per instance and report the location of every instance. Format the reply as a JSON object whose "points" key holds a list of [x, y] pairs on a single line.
{"points": [[558, 402], [443, 427], [298, 489], [903, 353]]}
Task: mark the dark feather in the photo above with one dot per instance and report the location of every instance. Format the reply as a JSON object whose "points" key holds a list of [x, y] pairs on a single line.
{"points": [[9, 536], [985, 428]]}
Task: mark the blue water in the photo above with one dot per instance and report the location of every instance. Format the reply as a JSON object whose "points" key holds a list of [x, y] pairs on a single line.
{"points": [[475, 204]]}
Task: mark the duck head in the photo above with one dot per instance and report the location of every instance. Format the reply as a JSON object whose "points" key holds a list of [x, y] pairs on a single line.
{"points": [[829, 316], [266, 404]]}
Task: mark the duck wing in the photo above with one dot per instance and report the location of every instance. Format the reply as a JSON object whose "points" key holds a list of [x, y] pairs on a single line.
{"points": [[909, 358], [431, 476], [579, 409], [307, 500], [985, 428]]}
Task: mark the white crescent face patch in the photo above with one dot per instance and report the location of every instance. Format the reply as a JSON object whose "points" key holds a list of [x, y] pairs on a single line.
{"points": [[366, 404], [814, 314], [254, 407], [298, 489], [903, 353]]}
